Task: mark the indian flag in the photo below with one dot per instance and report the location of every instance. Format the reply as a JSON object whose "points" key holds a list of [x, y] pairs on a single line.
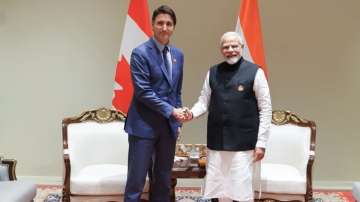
{"points": [[248, 25]]}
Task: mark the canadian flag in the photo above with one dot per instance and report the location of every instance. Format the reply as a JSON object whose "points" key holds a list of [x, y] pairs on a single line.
{"points": [[248, 25], [136, 31]]}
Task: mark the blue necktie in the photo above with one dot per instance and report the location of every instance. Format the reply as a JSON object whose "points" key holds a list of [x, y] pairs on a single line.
{"points": [[166, 61]]}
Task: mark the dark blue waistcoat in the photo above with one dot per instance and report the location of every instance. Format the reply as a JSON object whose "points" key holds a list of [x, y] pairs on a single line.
{"points": [[233, 120]]}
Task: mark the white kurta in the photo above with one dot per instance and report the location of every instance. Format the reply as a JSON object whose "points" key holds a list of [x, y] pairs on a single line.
{"points": [[230, 174]]}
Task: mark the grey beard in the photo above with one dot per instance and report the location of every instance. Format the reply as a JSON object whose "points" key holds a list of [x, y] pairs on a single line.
{"points": [[233, 60]]}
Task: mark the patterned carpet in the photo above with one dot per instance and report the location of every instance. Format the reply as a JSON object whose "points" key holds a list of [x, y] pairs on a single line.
{"points": [[53, 194], [193, 194]]}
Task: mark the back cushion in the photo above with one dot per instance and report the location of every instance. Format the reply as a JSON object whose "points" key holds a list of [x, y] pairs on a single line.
{"points": [[288, 144], [97, 143]]}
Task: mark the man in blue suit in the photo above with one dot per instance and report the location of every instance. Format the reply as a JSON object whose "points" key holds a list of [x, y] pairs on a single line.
{"points": [[153, 120]]}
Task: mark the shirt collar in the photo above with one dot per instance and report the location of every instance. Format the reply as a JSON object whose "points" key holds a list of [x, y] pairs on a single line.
{"points": [[160, 46]]}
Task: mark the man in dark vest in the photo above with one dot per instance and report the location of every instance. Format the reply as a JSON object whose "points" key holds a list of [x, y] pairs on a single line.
{"points": [[237, 97]]}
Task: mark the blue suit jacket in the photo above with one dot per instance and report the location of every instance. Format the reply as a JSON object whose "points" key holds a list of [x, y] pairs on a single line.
{"points": [[155, 95]]}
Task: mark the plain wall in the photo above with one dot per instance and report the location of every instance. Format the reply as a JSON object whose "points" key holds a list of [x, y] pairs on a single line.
{"points": [[58, 58]]}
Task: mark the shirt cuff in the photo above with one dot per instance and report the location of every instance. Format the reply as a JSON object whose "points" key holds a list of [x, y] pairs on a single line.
{"points": [[261, 144]]}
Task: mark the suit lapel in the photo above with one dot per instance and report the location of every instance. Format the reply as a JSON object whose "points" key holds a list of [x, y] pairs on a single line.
{"points": [[159, 60]]}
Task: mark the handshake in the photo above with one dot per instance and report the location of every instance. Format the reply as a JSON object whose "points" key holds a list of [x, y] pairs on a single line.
{"points": [[182, 114]]}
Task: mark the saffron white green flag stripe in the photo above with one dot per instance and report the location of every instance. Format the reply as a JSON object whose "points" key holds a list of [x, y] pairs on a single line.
{"points": [[248, 26], [137, 30]]}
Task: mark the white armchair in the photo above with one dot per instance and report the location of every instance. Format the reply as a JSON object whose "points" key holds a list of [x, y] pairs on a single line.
{"points": [[286, 171], [12, 189], [95, 156]]}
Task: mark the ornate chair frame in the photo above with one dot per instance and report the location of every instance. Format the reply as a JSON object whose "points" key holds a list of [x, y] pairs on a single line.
{"points": [[281, 117], [101, 115], [11, 167]]}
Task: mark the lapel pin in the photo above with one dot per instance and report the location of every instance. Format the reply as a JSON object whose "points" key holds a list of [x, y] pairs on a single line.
{"points": [[240, 88]]}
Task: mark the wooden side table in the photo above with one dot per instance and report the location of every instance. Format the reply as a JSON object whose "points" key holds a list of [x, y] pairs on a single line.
{"points": [[192, 171]]}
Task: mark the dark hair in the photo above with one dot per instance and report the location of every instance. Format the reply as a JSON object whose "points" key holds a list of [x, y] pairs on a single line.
{"points": [[164, 9]]}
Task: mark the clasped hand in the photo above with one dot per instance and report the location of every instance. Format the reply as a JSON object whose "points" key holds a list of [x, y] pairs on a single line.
{"points": [[182, 114]]}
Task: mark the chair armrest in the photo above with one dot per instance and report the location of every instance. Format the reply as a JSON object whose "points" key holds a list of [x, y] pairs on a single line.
{"points": [[11, 165], [312, 155], [67, 168], [309, 191], [67, 171]]}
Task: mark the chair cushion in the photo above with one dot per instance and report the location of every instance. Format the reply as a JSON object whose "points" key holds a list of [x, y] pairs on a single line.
{"points": [[17, 191], [100, 179], [280, 178], [293, 139], [356, 191], [92, 143], [4, 172]]}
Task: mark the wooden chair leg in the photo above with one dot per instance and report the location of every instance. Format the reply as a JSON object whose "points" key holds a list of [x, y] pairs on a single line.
{"points": [[65, 195]]}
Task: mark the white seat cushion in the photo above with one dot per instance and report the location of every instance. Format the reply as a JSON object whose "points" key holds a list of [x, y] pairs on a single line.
{"points": [[92, 143], [17, 191], [98, 155], [100, 179], [356, 191], [289, 145], [281, 178]]}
